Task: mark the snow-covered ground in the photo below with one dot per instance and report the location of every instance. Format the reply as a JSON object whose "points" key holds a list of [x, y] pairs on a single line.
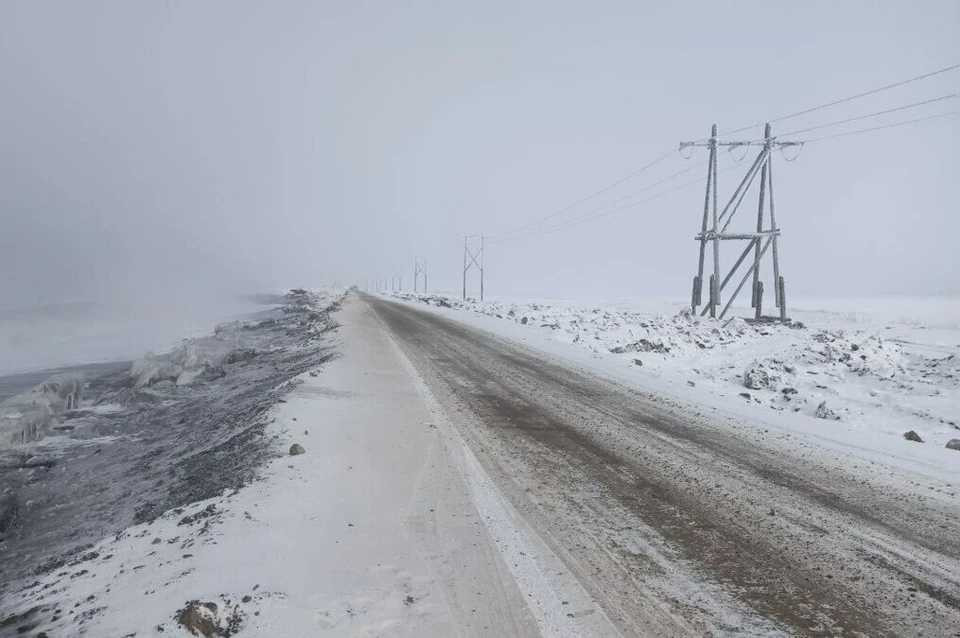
{"points": [[385, 525], [875, 368], [142, 446]]}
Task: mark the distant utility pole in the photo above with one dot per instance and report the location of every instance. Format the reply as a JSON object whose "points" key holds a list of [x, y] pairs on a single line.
{"points": [[475, 256], [419, 268], [714, 228]]}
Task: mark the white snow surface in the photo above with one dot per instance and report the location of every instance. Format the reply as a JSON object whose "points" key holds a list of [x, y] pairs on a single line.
{"points": [[865, 370], [386, 526]]}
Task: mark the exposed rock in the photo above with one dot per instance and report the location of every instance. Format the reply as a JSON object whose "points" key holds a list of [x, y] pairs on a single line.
{"points": [[523, 321], [207, 512], [756, 378], [912, 436], [642, 345], [638, 362], [296, 449], [823, 412], [200, 619], [953, 444]]}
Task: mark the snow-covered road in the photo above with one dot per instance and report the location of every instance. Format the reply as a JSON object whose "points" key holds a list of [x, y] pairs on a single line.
{"points": [[456, 482], [677, 524]]}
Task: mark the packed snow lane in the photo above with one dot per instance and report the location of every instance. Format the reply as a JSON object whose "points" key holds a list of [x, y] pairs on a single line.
{"points": [[678, 526]]}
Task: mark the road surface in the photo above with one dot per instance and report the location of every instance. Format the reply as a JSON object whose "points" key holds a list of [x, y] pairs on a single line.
{"points": [[677, 526]]}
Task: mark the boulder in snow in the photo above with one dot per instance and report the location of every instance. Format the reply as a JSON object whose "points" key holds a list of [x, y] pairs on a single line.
{"points": [[296, 449], [912, 436], [823, 412], [200, 619], [756, 377], [953, 444]]}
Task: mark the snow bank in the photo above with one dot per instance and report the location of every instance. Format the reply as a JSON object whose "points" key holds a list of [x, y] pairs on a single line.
{"points": [[887, 375], [231, 343], [29, 417]]}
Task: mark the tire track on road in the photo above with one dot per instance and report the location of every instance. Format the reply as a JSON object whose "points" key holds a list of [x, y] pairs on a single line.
{"points": [[733, 527]]}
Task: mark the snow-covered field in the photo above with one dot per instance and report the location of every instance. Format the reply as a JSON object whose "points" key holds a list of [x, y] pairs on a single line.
{"points": [[879, 367]]}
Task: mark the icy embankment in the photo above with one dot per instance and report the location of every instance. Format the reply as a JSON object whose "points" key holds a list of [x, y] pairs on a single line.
{"points": [[33, 415], [157, 445], [827, 369], [28, 417]]}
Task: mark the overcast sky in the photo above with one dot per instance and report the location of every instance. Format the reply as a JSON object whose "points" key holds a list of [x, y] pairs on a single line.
{"points": [[181, 148]]}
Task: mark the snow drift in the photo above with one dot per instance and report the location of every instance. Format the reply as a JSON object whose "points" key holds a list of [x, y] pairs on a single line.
{"points": [[834, 368]]}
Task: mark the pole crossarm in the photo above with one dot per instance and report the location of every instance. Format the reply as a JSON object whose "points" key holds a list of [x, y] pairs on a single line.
{"points": [[708, 235], [773, 142]]}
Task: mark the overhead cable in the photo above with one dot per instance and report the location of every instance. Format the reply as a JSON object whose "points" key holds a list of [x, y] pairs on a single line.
{"points": [[869, 115], [885, 126], [585, 199], [846, 99]]}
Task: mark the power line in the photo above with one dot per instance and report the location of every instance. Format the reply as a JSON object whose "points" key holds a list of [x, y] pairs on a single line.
{"points": [[846, 99], [642, 190], [605, 206], [585, 199], [517, 233], [869, 115], [596, 215], [885, 126]]}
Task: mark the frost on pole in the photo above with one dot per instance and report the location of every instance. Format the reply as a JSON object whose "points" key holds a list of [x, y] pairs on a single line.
{"points": [[760, 241]]}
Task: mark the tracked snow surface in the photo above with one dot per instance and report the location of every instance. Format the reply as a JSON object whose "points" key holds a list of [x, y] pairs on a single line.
{"points": [[882, 373]]}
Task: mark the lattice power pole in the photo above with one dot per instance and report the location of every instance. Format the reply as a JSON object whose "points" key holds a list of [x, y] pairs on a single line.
{"points": [[474, 255], [714, 229], [419, 268]]}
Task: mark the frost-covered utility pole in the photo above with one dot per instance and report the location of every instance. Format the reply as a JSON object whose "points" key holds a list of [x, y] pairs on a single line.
{"points": [[475, 259], [714, 228], [419, 268]]}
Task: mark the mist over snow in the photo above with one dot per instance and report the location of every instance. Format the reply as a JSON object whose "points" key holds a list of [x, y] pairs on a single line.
{"points": [[152, 148]]}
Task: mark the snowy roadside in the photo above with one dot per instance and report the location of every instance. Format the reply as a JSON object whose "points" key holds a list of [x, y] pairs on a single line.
{"points": [[157, 443], [850, 380], [382, 524]]}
